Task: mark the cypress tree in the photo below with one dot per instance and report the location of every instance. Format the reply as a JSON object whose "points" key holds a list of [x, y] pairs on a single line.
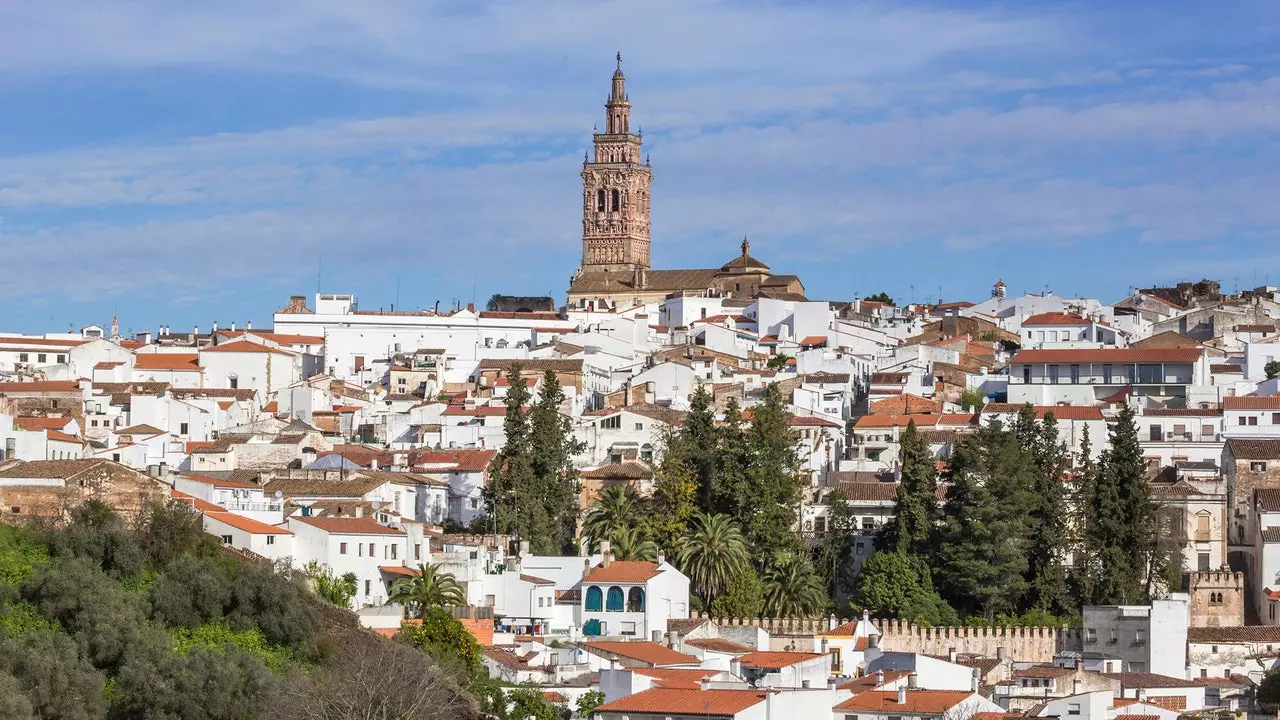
{"points": [[730, 491], [1084, 523], [916, 506], [770, 504], [555, 488], [511, 471], [1048, 540]]}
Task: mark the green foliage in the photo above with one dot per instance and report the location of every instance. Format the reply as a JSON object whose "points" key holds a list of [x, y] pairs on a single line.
{"points": [[445, 639], [533, 487], [743, 595], [218, 636], [54, 680], [528, 703], [430, 588], [916, 508], [1272, 369], [1047, 531], [333, 589], [170, 530], [713, 551], [588, 702], [972, 399], [630, 543], [616, 509], [99, 535], [20, 555], [18, 618], [191, 592], [1269, 689], [767, 495], [837, 546], [792, 588], [893, 584], [779, 361], [880, 297]]}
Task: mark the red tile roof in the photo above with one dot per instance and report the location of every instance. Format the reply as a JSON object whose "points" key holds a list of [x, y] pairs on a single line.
{"points": [[42, 423], [245, 346], [1226, 368], [1251, 402], [349, 526], [718, 645], [814, 341], [1108, 355], [1251, 449], [1234, 634], [216, 482], [642, 650], [688, 679], [195, 502], [698, 703], [876, 421], [809, 421], [166, 361], [58, 436], [40, 386], [9, 340], [466, 460], [919, 702], [477, 411], [776, 660], [1056, 318], [1061, 412], [246, 524], [906, 404], [622, 571]]}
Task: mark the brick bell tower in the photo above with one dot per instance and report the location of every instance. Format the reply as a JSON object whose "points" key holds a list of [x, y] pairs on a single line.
{"points": [[615, 191]]}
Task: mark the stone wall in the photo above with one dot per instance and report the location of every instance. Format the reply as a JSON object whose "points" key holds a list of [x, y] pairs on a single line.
{"points": [[1217, 599], [1038, 644]]}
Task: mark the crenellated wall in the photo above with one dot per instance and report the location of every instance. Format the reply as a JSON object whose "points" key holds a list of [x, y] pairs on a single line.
{"points": [[1025, 644]]}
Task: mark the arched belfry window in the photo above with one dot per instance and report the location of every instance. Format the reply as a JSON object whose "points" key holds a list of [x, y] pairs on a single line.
{"points": [[600, 200], [617, 204]]}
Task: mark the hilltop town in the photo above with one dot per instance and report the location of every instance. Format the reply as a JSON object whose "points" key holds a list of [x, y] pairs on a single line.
{"points": [[703, 493]]}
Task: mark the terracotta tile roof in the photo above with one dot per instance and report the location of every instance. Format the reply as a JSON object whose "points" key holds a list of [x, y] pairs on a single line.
{"points": [[1182, 412], [218, 482], [195, 502], [622, 571], [718, 645], [533, 364], [246, 346], [869, 491], [535, 580], [679, 678], [862, 684], [776, 660], [50, 342], [140, 430], [1060, 412], [919, 702], [465, 460], [400, 570], [194, 445], [879, 421], [1149, 680], [1270, 535], [906, 404], [477, 411], [1251, 402], [1055, 318], [42, 423], [684, 626], [887, 378], [349, 526], [225, 393], [1135, 716], [958, 419], [246, 524], [1044, 671], [1234, 634], [1226, 368], [1108, 355], [39, 386], [810, 421], [627, 470], [642, 650], [1267, 499], [649, 410], [813, 341], [1250, 449], [167, 361], [58, 469], [105, 365], [278, 338], [1255, 328], [687, 702]]}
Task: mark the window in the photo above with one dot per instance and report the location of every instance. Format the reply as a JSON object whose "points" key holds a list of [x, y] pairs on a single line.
{"points": [[1106, 374], [617, 201], [393, 551], [233, 382], [359, 550], [859, 548], [23, 357], [1252, 420], [1073, 708], [1140, 637], [367, 587], [595, 599], [635, 599], [417, 551], [1075, 374], [1026, 374], [15, 509], [1202, 562], [868, 524], [271, 539], [62, 358], [1115, 636], [41, 357], [611, 423], [226, 539], [1258, 466], [342, 548], [1053, 374], [600, 200], [116, 457], [182, 428], [639, 427], [628, 628], [614, 600], [1207, 432], [372, 551], [1275, 418]]}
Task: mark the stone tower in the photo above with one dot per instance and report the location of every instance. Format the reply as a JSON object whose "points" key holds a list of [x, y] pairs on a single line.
{"points": [[1217, 598], [615, 192]]}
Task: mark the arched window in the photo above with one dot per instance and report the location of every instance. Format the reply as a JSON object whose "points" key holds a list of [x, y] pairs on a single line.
{"points": [[635, 599], [617, 204], [600, 200], [614, 602], [646, 452], [595, 599]]}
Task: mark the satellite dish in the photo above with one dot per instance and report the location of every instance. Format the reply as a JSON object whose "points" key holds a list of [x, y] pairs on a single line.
{"points": [[279, 494]]}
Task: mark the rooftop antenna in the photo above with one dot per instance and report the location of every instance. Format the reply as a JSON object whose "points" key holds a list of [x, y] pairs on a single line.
{"points": [[397, 302], [319, 268]]}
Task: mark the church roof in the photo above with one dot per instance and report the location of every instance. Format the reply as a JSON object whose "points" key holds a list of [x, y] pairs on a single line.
{"points": [[743, 262], [599, 281]]}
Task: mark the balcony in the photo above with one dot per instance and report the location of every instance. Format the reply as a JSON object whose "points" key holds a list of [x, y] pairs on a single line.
{"points": [[237, 506], [1184, 437]]}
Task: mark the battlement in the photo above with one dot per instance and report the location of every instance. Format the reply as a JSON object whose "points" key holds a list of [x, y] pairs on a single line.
{"points": [[1027, 644], [1217, 579]]}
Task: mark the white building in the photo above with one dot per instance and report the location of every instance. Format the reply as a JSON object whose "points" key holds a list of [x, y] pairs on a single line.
{"points": [[625, 598], [270, 541], [358, 545], [1148, 638]]}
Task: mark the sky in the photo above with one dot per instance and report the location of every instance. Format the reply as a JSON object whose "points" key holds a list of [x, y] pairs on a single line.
{"points": [[184, 163]]}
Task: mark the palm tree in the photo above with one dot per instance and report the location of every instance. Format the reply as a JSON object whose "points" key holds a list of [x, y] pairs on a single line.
{"points": [[429, 588], [793, 589], [628, 544], [711, 552], [617, 508]]}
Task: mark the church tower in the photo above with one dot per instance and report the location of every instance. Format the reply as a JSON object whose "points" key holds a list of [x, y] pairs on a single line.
{"points": [[615, 191]]}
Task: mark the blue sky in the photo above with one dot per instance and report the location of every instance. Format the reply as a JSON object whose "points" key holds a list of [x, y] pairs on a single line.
{"points": [[182, 163]]}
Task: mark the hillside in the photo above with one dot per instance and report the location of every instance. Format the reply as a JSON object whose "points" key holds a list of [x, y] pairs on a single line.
{"points": [[103, 619]]}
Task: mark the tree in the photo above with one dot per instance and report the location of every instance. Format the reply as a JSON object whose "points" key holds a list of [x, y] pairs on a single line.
{"points": [[556, 486], [972, 400], [629, 543], [1272, 369], [429, 588], [334, 589], [792, 588], [982, 546], [712, 552], [1047, 539], [445, 639], [495, 302], [836, 546], [896, 585], [770, 502], [528, 703], [588, 702], [743, 596], [1269, 689], [511, 471], [916, 507], [693, 448], [779, 361], [1084, 525], [617, 508], [881, 297], [190, 592], [169, 530]]}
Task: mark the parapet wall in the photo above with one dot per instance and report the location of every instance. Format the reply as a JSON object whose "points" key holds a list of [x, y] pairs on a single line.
{"points": [[1025, 644]]}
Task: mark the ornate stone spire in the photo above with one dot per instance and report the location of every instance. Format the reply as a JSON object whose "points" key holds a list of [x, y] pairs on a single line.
{"points": [[746, 246]]}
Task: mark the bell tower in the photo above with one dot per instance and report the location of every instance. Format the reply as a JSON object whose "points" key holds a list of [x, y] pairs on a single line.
{"points": [[615, 191]]}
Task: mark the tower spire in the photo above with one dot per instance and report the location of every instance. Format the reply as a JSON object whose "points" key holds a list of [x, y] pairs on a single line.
{"points": [[615, 212]]}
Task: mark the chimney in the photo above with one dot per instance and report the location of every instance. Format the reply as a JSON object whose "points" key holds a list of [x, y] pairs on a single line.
{"points": [[831, 684], [662, 557], [215, 327], [297, 303], [1075, 686], [912, 680], [233, 327], [1079, 663], [1000, 654], [605, 553], [586, 567], [902, 696], [471, 307], [673, 639], [879, 678], [951, 654], [248, 324], [524, 548], [359, 511], [195, 331], [656, 636]]}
